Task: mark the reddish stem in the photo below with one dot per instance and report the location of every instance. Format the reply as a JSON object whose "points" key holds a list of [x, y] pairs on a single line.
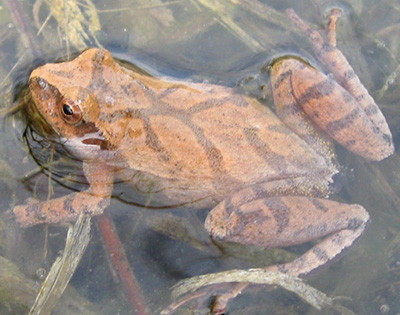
{"points": [[120, 264]]}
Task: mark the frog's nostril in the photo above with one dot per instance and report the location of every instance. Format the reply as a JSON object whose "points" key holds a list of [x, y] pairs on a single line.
{"points": [[43, 83]]}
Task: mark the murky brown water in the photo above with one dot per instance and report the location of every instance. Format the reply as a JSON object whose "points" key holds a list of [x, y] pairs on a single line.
{"points": [[200, 40]]}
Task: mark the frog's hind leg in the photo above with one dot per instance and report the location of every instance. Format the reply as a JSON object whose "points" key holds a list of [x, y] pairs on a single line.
{"points": [[347, 225], [291, 113], [331, 27], [336, 63], [291, 220], [284, 221], [298, 86]]}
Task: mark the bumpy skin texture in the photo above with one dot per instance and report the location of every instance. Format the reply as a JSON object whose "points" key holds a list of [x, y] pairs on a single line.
{"points": [[204, 143], [187, 139]]}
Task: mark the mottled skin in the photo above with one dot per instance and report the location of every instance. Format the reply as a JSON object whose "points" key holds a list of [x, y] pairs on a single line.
{"points": [[205, 144]]}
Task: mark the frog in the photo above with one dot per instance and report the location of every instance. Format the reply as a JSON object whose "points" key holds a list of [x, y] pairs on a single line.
{"points": [[264, 174]]}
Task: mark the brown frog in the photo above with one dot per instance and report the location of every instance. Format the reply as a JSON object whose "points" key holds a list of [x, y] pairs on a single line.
{"points": [[204, 144]]}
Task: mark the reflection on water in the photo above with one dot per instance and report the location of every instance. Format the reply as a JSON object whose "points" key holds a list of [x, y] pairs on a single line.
{"points": [[218, 42]]}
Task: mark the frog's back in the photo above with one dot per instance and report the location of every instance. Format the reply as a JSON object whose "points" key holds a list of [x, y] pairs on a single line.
{"points": [[194, 134], [205, 134]]}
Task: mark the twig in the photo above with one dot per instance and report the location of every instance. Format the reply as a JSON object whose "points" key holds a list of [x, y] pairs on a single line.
{"points": [[23, 28], [120, 264]]}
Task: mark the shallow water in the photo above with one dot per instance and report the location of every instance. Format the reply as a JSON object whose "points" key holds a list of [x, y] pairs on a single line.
{"points": [[218, 42]]}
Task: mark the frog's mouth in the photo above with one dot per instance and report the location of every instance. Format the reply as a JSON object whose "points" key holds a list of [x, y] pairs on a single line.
{"points": [[85, 147], [42, 135]]}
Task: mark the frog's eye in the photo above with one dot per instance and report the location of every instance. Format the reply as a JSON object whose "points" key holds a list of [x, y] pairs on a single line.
{"points": [[70, 112]]}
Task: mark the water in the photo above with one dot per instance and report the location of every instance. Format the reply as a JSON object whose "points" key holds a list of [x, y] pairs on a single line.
{"points": [[216, 42]]}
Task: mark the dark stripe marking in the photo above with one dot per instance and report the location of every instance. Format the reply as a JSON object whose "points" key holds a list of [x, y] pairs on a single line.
{"points": [[97, 80], [68, 203], [279, 211], [281, 78], [319, 205], [263, 149], [316, 91], [371, 109], [320, 253], [343, 123]]}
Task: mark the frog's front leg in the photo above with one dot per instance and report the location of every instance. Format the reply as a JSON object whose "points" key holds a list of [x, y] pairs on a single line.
{"points": [[93, 201]]}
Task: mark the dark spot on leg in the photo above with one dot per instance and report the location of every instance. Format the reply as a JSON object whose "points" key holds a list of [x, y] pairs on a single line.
{"points": [[320, 253], [319, 205], [68, 204], [343, 123], [280, 212]]}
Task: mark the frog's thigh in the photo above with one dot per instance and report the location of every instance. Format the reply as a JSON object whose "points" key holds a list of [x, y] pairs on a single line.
{"points": [[293, 116], [329, 106], [290, 220]]}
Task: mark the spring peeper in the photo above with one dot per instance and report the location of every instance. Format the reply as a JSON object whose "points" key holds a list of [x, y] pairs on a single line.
{"points": [[264, 175]]}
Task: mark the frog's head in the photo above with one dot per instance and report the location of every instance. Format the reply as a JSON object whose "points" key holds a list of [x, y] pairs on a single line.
{"points": [[64, 94]]}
